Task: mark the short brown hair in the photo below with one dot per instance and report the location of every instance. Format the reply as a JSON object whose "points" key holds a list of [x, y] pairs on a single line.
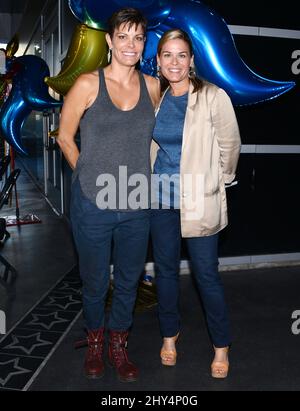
{"points": [[129, 16], [175, 34]]}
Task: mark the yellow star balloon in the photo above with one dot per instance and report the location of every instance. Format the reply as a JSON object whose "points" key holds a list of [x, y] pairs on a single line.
{"points": [[53, 133], [13, 46], [87, 52]]}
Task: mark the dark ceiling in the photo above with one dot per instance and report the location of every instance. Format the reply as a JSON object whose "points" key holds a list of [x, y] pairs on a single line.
{"points": [[12, 6]]}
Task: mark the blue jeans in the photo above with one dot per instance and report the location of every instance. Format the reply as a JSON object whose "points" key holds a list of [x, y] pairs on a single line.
{"points": [[94, 230], [203, 251]]}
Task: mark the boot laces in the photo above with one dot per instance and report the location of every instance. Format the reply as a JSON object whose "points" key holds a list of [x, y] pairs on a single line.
{"points": [[119, 351]]}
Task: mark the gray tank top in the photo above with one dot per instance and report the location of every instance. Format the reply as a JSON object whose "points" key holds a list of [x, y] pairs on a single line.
{"points": [[115, 145]]}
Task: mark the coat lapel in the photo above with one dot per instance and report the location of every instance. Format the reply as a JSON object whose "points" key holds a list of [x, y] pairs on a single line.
{"points": [[192, 100]]}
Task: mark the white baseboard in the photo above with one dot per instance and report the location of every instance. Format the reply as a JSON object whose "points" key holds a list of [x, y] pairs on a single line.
{"points": [[243, 262]]}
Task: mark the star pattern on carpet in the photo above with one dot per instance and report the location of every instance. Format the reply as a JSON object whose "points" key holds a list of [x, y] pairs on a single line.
{"points": [[27, 343], [67, 286], [59, 302], [47, 320], [10, 368]]}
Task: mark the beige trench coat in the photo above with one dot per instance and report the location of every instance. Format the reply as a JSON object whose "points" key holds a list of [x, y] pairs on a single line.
{"points": [[210, 151]]}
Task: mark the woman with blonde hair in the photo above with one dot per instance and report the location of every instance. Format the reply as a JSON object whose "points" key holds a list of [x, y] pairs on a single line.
{"points": [[194, 154]]}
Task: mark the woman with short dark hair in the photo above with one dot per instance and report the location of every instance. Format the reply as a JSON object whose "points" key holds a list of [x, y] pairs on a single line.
{"points": [[114, 107]]}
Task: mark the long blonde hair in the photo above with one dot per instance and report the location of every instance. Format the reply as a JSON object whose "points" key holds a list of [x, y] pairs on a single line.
{"points": [[175, 34]]}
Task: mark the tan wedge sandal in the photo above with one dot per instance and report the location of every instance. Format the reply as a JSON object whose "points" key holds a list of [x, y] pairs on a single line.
{"points": [[169, 357], [219, 369]]}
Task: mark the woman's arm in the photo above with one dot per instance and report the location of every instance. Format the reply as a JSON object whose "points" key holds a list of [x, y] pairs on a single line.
{"points": [[79, 98], [228, 135]]}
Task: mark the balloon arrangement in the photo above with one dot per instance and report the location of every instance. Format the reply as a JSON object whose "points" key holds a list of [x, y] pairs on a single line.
{"points": [[28, 92], [5, 79], [216, 58], [3, 88]]}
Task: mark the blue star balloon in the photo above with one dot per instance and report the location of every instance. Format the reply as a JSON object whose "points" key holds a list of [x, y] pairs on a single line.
{"points": [[34, 88], [12, 117], [96, 13], [29, 92], [216, 57]]}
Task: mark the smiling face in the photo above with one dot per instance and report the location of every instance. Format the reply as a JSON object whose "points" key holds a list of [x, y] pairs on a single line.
{"points": [[127, 44], [175, 61]]}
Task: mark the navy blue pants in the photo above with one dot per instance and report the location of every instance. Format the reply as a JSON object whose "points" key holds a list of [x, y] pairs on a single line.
{"points": [[203, 251], [94, 230]]}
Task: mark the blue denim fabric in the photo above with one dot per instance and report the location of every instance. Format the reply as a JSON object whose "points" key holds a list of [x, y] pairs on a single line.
{"points": [[203, 251], [94, 232]]}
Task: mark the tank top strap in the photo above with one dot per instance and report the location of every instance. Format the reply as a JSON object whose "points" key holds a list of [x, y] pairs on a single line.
{"points": [[144, 89], [102, 87]]}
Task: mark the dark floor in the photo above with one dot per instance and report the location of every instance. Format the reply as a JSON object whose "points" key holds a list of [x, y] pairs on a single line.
{"points": [[265, 354], [41, 253]]}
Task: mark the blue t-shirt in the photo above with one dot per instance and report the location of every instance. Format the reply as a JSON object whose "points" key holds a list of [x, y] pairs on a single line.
{"points": [[168, 133]]}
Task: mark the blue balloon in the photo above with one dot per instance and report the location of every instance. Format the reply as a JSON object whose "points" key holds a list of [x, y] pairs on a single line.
{"points": [[35, 90], [96, 13], [150, 50], [29, 92], [216, 57], [12, 117], [76, 7]]}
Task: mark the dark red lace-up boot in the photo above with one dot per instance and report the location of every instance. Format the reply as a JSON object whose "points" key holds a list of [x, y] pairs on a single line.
{"points": [[93, 364], [118, 358]]}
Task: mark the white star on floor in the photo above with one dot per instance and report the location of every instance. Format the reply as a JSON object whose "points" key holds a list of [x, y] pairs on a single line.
{"points": [[53, 301], [17, 338], [15, 362], [55, 315], [66, 286]]}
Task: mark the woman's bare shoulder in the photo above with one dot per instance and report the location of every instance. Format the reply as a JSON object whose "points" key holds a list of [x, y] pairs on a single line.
{"points": [[84, 90], [87, 81], [153, 85], [153, 81]]}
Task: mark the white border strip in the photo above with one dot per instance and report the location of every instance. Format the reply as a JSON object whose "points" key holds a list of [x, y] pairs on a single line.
{"points": [[54, 348], [270, 149], [37, 303], [244, 30], [276, 257], [286, 34], [242, 262], [264, 31]]}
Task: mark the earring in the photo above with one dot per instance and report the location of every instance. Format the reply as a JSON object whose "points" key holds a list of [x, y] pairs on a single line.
{"points": [[158, 71], [109, 55], [192, 72], [141, 60]]}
